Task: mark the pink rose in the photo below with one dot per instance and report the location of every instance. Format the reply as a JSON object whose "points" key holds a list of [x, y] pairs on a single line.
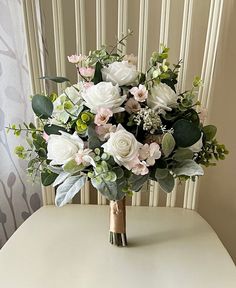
{"points": [[140, 169], [140, 93], [102, 116], [104, 131], [132, 106], [84, 157]]}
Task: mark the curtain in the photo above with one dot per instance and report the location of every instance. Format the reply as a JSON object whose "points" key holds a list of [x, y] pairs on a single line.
{"points": [[19, 198]]}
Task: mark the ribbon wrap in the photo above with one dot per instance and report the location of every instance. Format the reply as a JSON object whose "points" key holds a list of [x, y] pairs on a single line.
{"points": [[117, 216]]}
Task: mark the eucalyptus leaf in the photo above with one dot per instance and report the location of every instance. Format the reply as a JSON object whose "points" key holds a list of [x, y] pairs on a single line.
{"points": [[54, 129], [188, 168], [168, 144], [183, 154], [209, 132], [186, 133], [56, 79], [42, 106], [67, 190], [167, 184]]}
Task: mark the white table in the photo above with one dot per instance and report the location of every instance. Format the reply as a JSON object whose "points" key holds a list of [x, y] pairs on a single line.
{"points": [[68, 247]]}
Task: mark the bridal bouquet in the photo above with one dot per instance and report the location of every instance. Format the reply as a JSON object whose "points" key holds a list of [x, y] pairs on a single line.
{"points": [[118, 128]]}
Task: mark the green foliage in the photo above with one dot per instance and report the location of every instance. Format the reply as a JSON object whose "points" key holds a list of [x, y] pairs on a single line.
{"points": [[54, 129], [185, 133], [42, 106], [98, 74], [56, 79], [182, 154], [209, 132], [187, 168], [48, 177], [168, 144]]}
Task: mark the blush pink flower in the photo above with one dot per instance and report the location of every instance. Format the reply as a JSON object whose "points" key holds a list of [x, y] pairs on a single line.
{"points": [[45, 136], [104, 131], [150, 153], [132, 106], [102, 116], [87, 85], [140, 93], [84, 157], [140, 169], [75, 59], [87, 72]]}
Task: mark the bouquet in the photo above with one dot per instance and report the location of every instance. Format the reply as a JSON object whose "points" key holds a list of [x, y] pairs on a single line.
{"points": [[118, 128]]}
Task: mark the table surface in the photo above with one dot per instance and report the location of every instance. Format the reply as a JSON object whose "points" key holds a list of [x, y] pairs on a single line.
{"points": [[68, 247]]}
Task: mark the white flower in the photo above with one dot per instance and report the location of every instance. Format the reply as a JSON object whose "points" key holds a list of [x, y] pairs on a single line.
{"points": [[162, 97], [140, 93], [123, 146], [140, 168], [150, 153], [63, 148], [197, 147], [121, 73], [105, 95]]}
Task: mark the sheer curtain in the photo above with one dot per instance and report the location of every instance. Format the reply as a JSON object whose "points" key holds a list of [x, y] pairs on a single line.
{"points": [[18, 197]]}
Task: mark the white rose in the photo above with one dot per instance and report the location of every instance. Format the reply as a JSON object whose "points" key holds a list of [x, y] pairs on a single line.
{"points": [[121, 73], [197, 147], [162, 97], [104, 95], [123, 146], [62, 148]]}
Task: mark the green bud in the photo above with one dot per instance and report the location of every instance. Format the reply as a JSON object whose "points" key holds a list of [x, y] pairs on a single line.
{"points": [[85, 117], [90, 174], [105, 156], [99, 169], [97, 158], [97, 151], [68, 105]]}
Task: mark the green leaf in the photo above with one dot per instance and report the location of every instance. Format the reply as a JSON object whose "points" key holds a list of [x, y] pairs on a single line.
{"points": [[54, 129], [161, 173], [168, 144], [209, 132], [55, 79], [48, 177], [98, 74], [42, 106], [167, 184], [185, 133], [111, 190], [137, 181], [67, 190], [72, 167], [93, 140], [188, 168], [182, 154]]}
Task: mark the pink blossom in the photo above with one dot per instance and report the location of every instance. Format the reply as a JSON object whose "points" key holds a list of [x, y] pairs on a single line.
{"points": [[140, 93], [87, 72], [102, 116], [150, 153], [75, 59], [203, 115], [131, 58], [87, 85], [132, 106], [140, 168], [84, 157], [45, 136], [104, 131]]}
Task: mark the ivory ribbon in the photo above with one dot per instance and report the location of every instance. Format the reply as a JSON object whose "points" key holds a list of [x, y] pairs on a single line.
{"points": [[117, 216]]}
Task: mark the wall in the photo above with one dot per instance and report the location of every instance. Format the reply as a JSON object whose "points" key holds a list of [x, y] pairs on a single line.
{"points": [[217, 198]]}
